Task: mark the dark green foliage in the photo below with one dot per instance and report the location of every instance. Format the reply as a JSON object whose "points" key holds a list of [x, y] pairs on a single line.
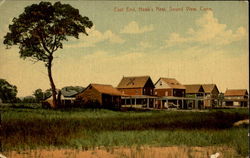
{"points": [[29, 99], [8, 92], [42, 28], [38, 95]]}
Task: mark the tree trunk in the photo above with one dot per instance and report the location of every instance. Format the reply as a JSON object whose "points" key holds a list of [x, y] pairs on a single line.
{"points": [[52, 84]]}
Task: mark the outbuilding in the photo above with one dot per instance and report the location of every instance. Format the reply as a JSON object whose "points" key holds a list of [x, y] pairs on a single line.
{"points": [[236, 97], [100, 95]]}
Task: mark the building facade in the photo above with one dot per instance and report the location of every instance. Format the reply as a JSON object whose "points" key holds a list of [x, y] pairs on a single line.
{"points": [[100, 95], [236, 97], [211, 95]]}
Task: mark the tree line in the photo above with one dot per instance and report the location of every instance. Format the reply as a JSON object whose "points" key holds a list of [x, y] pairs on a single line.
{"points": [[8, 93]]}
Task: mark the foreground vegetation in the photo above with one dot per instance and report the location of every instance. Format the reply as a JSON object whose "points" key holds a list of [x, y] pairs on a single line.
{"points": [[23, 128]]}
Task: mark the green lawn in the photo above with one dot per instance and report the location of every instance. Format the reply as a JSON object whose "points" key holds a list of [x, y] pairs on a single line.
{"points": [[24, 128]]}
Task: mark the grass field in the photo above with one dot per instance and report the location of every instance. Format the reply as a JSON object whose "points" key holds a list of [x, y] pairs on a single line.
{"points": [[28, 128]]}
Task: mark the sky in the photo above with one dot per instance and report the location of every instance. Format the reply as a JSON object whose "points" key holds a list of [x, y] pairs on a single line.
{"points": [[194, 42]]}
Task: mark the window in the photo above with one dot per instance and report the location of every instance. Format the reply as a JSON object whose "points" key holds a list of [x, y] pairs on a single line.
{"points": [[155, 93], [166, 93]]}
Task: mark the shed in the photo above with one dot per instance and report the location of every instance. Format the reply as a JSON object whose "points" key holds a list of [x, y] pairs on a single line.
{"points": [[66, 96], [236, 97], [100, 95]]}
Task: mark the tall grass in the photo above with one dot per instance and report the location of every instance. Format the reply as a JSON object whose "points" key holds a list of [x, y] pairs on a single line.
{"points": [[82, 128], [235, 138]]}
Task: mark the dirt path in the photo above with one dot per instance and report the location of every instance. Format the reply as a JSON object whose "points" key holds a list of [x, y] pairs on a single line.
{"points": [[133, 152]]}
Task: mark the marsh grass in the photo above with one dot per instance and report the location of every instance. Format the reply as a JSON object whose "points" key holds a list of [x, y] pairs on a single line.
{"points": [[24, 128]]}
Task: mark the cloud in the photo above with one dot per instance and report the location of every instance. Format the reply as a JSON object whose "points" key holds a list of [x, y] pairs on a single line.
{"points": [[94, 37], [190, 67], [208, 31], [144, 44], [2, 2], [134, 28]]}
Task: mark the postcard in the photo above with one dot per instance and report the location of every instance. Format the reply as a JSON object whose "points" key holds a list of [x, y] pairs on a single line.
{"points": [[124, 78]]}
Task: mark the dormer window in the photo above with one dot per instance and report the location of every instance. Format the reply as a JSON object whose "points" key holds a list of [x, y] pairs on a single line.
{"points": [[131, 81], [160, 83]]}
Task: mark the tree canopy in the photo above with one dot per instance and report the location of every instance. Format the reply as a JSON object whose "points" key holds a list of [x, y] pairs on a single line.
{"points": [[8, 92], [41, 29], [40, 95]]}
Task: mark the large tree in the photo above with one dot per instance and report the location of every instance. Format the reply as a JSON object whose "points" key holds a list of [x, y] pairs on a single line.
{"points": [[41, 29]]}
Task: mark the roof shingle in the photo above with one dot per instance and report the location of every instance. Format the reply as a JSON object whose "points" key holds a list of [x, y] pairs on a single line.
{"points": [[106, 89], [208, 88], [133, 82], [193, 88], [236, 92], [173, 83]]}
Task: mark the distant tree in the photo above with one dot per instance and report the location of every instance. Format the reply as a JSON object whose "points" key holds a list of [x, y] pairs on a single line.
{"points": [[39, 95], [41, 29], [8, 92], [29, 99], [47, 93]]}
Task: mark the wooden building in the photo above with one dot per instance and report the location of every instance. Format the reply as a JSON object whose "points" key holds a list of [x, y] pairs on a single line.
{"points": [[137, 85], [100, 95], [168, 89], [236, 97], [211, 95], [195, 91], [139, 91], [65, 97]]}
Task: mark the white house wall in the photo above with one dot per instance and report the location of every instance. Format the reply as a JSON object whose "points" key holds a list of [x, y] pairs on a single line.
{"points": [[161, 85]]}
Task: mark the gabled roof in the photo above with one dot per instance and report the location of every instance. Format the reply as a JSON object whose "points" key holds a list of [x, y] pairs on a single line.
{"points": [[173, 83], [66, 92], [194, 88], [106, 89], [133, 82], [236, 92], [208, 88]]}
